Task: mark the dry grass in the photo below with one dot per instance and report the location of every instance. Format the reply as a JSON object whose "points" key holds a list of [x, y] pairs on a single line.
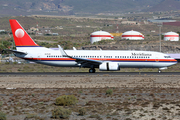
{"points": [[22, 103]]}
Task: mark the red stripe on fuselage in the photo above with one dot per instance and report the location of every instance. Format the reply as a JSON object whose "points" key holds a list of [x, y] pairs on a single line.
{"points": [[105, 59]]}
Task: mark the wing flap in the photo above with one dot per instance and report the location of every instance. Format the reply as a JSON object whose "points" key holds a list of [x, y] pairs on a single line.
{"points": [[87, 60]]}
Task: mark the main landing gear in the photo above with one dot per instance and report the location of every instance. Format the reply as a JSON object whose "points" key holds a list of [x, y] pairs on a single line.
{"points": [[92, 70]]}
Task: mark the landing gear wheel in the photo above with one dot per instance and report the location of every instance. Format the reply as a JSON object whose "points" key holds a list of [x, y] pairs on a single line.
{"points": [[92, 70]]}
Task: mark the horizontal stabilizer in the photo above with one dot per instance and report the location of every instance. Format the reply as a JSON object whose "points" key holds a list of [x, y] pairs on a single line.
{"points": [[15, 51]]}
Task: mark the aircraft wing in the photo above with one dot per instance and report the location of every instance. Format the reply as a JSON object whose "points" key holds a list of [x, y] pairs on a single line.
{"points": [[15, 51], [82, 61]]}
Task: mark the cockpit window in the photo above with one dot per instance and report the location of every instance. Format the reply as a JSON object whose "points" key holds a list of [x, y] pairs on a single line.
{"points": [[167, 57]]}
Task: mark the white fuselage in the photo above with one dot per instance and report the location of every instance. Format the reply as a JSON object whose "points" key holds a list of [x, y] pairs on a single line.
{"points": [[137, 59]]}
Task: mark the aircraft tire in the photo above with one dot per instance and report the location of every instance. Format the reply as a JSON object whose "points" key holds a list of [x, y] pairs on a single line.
{"points": [[92, 70]]}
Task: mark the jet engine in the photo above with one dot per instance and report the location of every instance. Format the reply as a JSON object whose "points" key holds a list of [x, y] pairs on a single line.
{"points": [[109, 66]]}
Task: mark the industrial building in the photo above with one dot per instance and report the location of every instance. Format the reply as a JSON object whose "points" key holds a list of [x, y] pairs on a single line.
{"points": [[171, 36], [132, 35], [100, 35]]}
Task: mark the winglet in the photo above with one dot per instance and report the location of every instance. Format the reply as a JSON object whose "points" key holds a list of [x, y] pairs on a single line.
{"points": [[62, 51], [74, 48]]}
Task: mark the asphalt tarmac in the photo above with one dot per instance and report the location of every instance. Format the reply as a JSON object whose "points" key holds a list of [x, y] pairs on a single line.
{"points": [[86, 73]]}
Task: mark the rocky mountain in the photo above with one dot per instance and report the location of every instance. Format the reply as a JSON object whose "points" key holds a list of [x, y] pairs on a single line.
{"points": [[70, 7], [166, 5]]}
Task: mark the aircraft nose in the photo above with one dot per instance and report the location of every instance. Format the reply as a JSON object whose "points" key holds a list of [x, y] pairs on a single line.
{"points": [[175, 61]]}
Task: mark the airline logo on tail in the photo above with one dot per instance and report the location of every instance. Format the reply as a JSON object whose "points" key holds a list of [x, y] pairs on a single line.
{"points": [[19, 33], [21, 38]]}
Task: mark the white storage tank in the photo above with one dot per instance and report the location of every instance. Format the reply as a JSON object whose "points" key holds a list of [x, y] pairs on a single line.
{"points": [[171, 36], [100, 35], [132, 35]]}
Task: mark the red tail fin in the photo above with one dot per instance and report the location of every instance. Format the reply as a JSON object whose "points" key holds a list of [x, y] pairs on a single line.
{"points": [[21, 37]]}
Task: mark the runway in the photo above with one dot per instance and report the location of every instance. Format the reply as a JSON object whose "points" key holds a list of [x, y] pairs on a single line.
{"points": [[86, 73]]}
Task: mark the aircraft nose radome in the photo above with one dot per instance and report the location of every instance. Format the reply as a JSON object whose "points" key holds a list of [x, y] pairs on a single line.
{"points": [[175, 61]]}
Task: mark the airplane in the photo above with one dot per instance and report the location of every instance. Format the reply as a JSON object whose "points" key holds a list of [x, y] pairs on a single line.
{"points": [[105, 60]]}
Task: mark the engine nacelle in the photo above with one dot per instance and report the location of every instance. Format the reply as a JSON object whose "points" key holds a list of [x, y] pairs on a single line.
{"points": [[109, 66]]}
